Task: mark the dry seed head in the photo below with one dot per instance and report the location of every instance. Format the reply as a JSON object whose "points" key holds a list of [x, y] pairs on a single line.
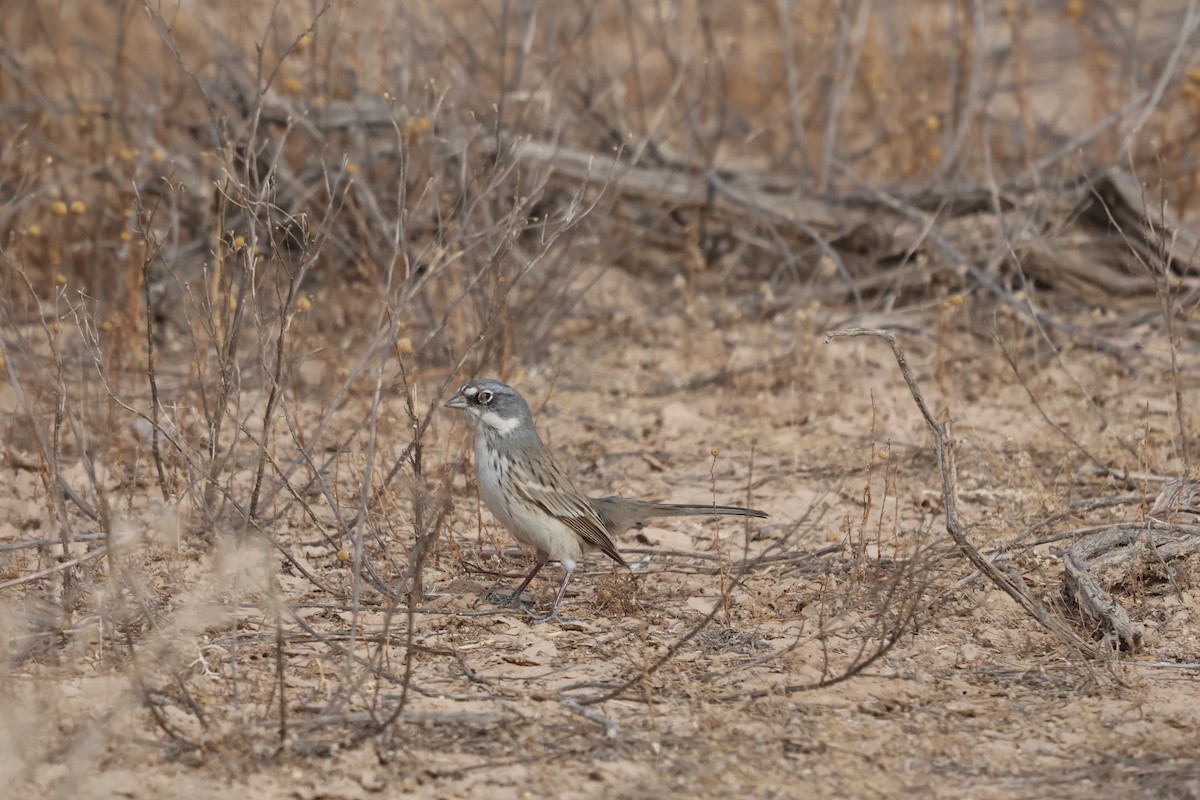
{"points": [[159, 155], [1073, 9], [60, 279], [239, 242], [77, 207], [34, 230], [126, 236], [716, 451], [343, 556], [58, 208], [291, 85], [404, 345], [304, 42], [304, 304], [415, 127]]}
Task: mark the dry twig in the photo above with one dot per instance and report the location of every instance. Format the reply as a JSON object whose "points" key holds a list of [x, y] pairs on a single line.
{"points": [[943, 447]]}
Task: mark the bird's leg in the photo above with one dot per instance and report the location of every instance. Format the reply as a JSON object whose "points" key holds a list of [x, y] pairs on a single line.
{"points": [[515, 597], [562, 590]]}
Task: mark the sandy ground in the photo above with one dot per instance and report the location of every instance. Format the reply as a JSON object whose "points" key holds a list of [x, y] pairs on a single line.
{"points": [[975, 699]]}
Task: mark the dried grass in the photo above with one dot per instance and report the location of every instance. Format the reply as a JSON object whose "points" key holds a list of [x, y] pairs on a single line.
{"points": [[247, 248]]}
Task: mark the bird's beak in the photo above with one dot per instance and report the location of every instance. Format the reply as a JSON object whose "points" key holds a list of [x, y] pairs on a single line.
{"points": [[458, 401]]}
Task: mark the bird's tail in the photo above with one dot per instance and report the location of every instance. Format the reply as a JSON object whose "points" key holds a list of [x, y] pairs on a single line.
{"points": [[619, 514], [700, 509]]}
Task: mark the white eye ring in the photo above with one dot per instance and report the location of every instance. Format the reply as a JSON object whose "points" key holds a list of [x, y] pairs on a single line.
{"points": [[485, 397]]}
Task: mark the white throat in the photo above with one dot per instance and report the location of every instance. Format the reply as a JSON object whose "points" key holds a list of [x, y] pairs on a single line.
{"points": [[498, 425]]}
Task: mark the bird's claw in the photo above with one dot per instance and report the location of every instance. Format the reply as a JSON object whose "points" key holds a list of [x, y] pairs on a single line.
{"points": [[538, 619], [504, 599]]}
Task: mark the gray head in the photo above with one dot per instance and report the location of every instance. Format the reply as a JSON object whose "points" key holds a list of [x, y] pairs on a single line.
{"points": [[495, 409]]}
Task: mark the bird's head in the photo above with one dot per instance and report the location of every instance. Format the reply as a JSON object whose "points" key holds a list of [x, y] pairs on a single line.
{"points": [[493, 408]]}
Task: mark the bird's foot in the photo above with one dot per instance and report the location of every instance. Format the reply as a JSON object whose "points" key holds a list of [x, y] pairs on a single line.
{"points": [[504, 598], [538, 619]]}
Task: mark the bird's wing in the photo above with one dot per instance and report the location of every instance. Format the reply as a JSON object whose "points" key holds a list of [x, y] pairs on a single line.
{"points": [[551, 489]]}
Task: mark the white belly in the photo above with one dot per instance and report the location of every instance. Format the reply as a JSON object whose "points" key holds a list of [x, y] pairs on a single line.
{"points": [[545, 534]]}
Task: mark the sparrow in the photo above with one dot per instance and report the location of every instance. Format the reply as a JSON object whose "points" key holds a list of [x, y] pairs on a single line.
{"points": [[536, 500]]}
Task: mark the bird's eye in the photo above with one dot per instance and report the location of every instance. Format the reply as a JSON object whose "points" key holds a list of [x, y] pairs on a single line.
{"points": [[485, 397]]}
